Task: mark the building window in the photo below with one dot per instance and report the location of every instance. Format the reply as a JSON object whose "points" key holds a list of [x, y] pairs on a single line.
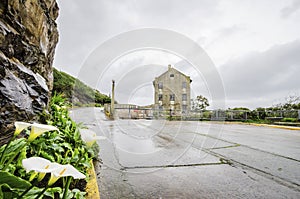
{"points": [[184, 108], [160, 108], [160, 97], [183, 84], [160, 85], [184, 97], [172, 97], [171, 75]]}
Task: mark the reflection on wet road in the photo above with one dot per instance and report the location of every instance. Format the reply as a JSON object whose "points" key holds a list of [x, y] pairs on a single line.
{"points": [[130, 144], [174, 159]]}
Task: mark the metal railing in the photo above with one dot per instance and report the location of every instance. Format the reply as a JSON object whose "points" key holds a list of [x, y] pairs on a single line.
{"points": [[136, 112]]}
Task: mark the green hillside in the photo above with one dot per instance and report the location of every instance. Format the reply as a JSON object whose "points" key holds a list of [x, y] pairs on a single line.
{"points": [[76, 91]]}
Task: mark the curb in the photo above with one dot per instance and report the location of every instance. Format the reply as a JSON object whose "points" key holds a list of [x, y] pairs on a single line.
{"points": [[267, 125], [278, 126], [92, 185]]}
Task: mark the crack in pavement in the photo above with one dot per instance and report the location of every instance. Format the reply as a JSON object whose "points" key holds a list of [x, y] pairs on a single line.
{"points": [[125, 181], [223, 160], [116, 154], [246, 146], [175, 165], [234, 163], [225, 147]]}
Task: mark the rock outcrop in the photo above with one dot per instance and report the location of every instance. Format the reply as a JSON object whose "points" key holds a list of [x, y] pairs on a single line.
{"points": [[28, 37]]}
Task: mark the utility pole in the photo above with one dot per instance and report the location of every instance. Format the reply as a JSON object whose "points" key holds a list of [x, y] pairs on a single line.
{"points": [[112, 103]]}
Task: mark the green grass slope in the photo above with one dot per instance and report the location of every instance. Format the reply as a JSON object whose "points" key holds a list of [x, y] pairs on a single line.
{"points": [[76, 91]]}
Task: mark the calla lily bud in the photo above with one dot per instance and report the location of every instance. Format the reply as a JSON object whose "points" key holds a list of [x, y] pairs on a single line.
{"points": [[90, 137]]}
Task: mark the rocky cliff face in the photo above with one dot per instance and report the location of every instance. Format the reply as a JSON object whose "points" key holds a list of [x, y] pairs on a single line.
{"points": [[28, 36]]}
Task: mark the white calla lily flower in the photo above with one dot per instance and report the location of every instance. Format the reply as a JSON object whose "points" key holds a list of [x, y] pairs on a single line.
{"points": [[20, 126], [43, 166], [90, 137], [38, 129], [36, 164], [64, 171], [39, 165]]}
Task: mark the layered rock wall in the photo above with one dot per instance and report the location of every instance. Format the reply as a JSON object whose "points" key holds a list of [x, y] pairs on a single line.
{"points": [[28, 37]]}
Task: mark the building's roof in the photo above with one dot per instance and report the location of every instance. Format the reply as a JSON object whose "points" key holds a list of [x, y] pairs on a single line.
{"points": [[171, 68]]}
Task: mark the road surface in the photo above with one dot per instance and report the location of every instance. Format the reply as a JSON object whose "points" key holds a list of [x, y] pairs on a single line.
{"points": [[190, 159]]}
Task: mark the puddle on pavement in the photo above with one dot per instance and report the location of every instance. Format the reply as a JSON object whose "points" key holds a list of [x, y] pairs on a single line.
{"points": [[133, 145]]}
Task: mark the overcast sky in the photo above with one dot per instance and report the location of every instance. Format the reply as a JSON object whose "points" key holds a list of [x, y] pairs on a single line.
{"points": [[254, 44]]}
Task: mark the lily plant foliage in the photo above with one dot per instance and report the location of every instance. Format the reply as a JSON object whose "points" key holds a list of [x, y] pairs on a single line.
{"points": [[58, 148]]}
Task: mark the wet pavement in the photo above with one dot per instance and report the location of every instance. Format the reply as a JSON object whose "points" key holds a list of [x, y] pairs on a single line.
{"points": [[190, 159]]}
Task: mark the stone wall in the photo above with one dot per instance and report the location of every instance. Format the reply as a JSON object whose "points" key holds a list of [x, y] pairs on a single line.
{"points": [[28, 37]]}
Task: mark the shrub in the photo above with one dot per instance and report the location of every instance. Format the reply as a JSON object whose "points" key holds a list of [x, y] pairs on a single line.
{"points": [[289, 120]]}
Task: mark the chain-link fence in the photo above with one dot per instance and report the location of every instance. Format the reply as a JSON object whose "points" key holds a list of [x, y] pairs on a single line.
{"points": [[228, 115], [272, 116], [243, 115]]}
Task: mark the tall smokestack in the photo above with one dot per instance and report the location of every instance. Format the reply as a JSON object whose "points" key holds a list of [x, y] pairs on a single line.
{"points": [[112, 103]]}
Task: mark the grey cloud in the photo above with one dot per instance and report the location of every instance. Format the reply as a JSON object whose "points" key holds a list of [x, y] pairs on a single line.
{"points": [[289, 10], [138, 80], [198, 85], [176, 10], [230, 30], [225, 33], [263, 75], [83, 26]]}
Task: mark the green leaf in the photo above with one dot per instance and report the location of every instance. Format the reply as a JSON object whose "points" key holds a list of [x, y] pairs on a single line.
{"points": [[13, 181], [1, 193], [22, 156], [69, 195], [49, 193], [67, 145], [33, 193], [57, 147], [14, 147], [6, 192], [78, 194], [58, 157], [44, 154]]}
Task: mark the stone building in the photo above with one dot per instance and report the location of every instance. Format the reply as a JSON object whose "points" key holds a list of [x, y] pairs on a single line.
{"points": [[172, 94]]}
